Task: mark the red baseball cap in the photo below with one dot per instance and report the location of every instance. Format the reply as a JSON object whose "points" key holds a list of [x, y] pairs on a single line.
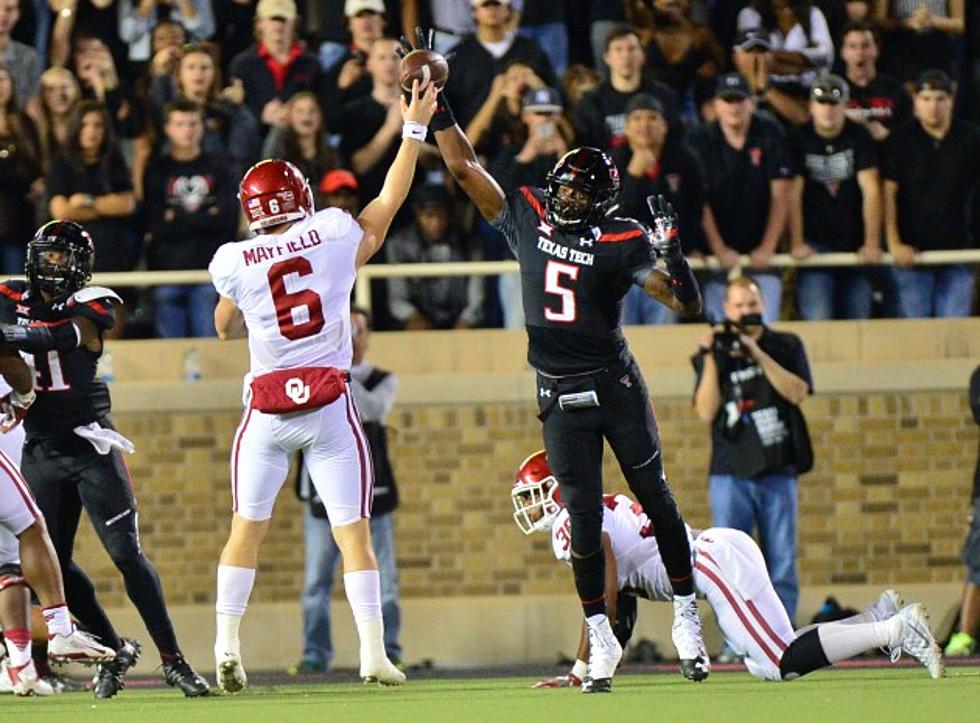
{"points": [[338, 180]]}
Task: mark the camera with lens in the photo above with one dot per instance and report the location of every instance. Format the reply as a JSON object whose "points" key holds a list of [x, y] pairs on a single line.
{"points": [[726, 340]]}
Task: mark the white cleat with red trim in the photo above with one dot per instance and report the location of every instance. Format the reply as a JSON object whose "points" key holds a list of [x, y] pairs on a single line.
{"points": [[23, 680], [78, 647], [688, 640]]}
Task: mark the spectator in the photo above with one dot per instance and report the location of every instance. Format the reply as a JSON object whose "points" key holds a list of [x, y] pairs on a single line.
{"points": [[21, 182], [230, 129], [338, 189], [544, 22], [577, 81], [22, 61], [446, 302], [931, 176], [878, 101], [860, 11], [453, 20], [963, 642], [749, 388], [191, 209], [374, 395], [678, 50], [801, 43], [96, 71], [652, 162], [604, 18], [753, 58], [277, 66], [485, 54], [371, 126], [835, 206], [302, 140], [601, 114], [90, 183], [59, 93], [137, 18], [747, 169], [345, 75], [76, 19], [920, 35], [235, 32], [498, 122]]}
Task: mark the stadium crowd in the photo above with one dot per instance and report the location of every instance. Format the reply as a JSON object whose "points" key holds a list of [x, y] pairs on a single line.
{"points": [[771, 125]]}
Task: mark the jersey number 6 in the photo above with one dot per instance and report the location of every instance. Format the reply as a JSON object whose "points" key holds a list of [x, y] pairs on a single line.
{"points": [[287, 302], [552, 284]]}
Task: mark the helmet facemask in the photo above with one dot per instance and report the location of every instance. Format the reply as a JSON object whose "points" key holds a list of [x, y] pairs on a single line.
{"points": [[536, 497], [582, 190], [56, 267]]}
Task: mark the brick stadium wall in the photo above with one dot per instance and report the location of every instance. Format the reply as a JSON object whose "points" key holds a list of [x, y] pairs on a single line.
{"points": [[883, 505]]}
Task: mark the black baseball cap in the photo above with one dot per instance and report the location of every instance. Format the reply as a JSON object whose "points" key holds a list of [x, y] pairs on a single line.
{"points": [[933, 79], [542, 100], [753, 39], [732, 85], [830, 88], [430, 195], [645, 101]]}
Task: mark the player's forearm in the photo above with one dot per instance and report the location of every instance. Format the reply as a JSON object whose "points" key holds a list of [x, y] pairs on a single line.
{"points": [[18, 374], [42, 339]]}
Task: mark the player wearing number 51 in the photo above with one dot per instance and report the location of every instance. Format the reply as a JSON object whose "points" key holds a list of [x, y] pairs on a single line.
{"points": [[577, 262], [73, 457], [288, 289]]}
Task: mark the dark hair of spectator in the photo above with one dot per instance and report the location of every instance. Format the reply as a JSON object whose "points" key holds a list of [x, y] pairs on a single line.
{"points": [[620, 31], [291, 144], [182, 105], [355, 309], [47, 122], [800, 9], [199, 49], [861, 26], [73, 149], [15, 120]]}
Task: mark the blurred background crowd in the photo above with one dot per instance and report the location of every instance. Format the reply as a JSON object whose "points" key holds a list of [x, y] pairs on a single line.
{"points": [[799, 126]]}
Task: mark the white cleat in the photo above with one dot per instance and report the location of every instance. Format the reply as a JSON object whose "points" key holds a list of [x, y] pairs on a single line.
{"points": [[384, 673], [230, 673], [23, 681], [689, 642], [916, 639], [78, 647], [885, 605], [605, 653]]}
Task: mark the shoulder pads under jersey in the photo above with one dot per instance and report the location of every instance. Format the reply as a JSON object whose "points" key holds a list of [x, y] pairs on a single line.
{"points": [[92, 293]]}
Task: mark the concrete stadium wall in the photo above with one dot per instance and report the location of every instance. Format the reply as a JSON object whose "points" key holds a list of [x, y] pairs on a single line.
{"points": [[894, 442]]}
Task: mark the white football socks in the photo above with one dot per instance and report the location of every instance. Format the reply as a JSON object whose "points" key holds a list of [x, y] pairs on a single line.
{"points": [[841, 641], [363, 588], [234, 588], [58, 620]]}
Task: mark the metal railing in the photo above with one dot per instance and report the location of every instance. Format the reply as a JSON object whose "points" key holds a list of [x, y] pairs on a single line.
{"points": [[362, 292]]}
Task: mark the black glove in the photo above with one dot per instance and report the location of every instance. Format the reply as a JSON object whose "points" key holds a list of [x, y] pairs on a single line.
{"points": [[423, 41], [666, 238]]}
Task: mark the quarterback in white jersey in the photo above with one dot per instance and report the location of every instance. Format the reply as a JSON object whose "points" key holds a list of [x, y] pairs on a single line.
{"points": [[288, 289], [730, 573]]}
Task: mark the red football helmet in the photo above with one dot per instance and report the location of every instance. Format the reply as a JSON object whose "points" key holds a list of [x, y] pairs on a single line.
{"points": [[273, 192], [535, 491]]}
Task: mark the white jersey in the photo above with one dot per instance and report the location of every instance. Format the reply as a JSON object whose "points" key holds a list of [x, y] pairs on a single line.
{"points": [[639, 568], [294, 291]]}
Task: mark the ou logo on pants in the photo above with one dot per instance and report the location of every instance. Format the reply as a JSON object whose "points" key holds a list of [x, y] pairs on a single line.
{"points": [[297, 391]]}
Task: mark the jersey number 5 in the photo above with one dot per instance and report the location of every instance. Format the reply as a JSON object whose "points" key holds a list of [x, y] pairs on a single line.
{"points": [[289, 302], [552, 285]]}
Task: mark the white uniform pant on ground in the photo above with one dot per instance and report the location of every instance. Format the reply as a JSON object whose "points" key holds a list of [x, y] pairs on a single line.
{"points": [[17, 507], [730, 572], [335, 450]]}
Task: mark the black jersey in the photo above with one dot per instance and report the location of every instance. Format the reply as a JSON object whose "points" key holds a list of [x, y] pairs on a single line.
{"points": [[573, 283], [68, 394]]}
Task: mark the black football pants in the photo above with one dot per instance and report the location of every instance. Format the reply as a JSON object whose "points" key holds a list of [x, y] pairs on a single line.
{"points": [[68, 476], [574, 443]]}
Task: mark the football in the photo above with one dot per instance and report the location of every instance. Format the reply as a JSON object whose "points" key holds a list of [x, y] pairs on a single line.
{"points": [[425, 66]]}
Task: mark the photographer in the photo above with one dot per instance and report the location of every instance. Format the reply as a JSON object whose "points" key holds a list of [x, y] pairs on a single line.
{"points": [[750, 381]]}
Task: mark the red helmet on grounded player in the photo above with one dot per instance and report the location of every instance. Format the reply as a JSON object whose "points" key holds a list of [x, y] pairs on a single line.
{"points": [[273, 192], [535, 494]]}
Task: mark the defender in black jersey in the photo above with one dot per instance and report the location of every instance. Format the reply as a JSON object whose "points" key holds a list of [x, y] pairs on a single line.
{"points": [[577, 262], [73, 455]]}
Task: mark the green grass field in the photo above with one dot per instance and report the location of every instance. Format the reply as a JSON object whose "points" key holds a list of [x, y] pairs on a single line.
{"points": [[893, 695]]}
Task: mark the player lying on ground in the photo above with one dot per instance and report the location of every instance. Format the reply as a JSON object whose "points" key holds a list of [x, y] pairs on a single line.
{"points": [[288, 289], [730, 573], [73, 457], [27, 557], [577, 262]]}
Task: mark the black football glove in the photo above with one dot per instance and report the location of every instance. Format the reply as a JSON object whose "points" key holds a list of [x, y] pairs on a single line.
{"points": [[666, 238]]}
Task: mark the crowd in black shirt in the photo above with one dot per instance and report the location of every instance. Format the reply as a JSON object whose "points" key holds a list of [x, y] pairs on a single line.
{"points": [[807, 127]]}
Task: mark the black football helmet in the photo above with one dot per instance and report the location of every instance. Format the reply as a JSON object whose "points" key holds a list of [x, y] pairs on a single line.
{"points": [[68, 273], [588, 170]]}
